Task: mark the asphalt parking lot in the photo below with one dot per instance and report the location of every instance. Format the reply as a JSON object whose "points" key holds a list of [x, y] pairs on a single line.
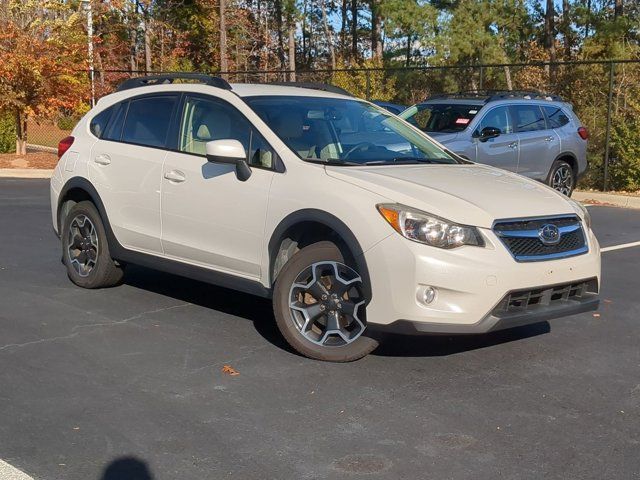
{"points": [[88, 377]]}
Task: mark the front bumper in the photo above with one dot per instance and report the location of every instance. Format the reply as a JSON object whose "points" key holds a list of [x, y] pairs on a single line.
{"points": [[472, 284]]}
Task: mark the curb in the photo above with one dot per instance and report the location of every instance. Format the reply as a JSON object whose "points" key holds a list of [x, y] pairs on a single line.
{"points": [[607, 199], [25, 173]]}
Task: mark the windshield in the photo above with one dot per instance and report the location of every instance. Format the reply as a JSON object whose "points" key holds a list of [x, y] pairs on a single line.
{"points": [[345, 132], [441, 118]]}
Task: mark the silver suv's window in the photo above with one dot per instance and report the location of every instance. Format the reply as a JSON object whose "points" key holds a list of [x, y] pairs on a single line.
{"points": [[497, 118], [555, 117], [528, 118], [345, 131], [442, 118]]}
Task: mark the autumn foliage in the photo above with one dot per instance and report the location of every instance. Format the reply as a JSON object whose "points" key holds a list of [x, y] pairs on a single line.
{"points": [[42, 67]]}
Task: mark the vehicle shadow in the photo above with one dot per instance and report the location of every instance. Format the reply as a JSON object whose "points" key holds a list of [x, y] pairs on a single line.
{"points": [[127, 468], [259, 311], [393, 345]]}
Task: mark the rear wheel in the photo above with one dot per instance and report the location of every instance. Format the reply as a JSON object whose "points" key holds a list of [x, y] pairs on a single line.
{"points": [[562, 177], [85, 250], [319, 305]]}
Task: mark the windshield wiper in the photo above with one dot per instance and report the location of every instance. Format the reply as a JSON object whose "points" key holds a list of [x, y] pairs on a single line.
{"points": [[407, 160], [333, 161]]}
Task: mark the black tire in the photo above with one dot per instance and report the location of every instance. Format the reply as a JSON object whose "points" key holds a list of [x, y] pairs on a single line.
{"points": [[103, 271], [317, 253], [562, 177]]}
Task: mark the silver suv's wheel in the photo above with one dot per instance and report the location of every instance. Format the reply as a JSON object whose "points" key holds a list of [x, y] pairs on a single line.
{"points": [[562, 178], [85, 249], [320, 306]]}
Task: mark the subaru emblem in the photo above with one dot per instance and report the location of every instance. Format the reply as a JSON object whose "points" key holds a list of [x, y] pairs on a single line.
{"points": [[549, 234]]}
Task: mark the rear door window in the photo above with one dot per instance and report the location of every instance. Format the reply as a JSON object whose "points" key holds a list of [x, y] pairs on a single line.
{"points": [[528, 118], [148, 120], [556, 118]]}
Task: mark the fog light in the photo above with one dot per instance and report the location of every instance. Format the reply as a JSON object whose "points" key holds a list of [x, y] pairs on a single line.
{"points": [[428, 295]]}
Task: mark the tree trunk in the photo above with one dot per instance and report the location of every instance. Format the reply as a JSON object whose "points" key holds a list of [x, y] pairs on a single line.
{"points": [[147, 44], [21, 134], [550, 37], [354, 30], [278, 8], [376, 30], [292, 51], [343, 28], [327, 33], [409, 40], [588, 22], [224, 65], [507, 76], [133, 34], [618, 8], [566, 29]]}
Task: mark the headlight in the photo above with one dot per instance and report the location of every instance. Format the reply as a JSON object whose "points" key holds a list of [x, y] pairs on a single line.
{"points": [[426, 228], [582, 212]]}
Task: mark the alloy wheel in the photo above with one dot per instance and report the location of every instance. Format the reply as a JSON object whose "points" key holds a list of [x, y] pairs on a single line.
{"points": [[82, 247], [327, 303], [562, 180]]}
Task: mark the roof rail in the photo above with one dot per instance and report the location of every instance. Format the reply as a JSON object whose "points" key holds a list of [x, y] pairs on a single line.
{"points": [[325, 87], [527, 94], [171, 78], [494, 95]]}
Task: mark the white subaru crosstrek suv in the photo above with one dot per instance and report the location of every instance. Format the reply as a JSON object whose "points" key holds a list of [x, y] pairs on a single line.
{"points": [[352, 220]]}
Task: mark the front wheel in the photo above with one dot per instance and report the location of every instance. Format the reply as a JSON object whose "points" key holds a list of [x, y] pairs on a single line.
{"points": [[319, 305], [562, 177]]}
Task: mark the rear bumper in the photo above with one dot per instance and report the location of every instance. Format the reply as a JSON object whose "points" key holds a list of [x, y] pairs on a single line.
{"points": [[494, 322]]}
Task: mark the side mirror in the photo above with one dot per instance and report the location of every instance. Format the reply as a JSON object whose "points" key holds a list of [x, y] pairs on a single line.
{"points": [[489, 132], [230, 152]]}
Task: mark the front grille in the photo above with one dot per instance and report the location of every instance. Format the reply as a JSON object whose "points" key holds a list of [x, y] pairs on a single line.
{"points": [[522, 300], [523, 240]]}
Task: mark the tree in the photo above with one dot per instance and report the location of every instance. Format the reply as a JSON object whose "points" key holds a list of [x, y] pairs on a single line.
{"points": [[41, 47], [224, 65]]}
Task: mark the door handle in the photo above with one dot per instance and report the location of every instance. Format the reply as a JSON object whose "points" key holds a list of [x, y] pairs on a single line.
{"points": [[175, 176], [102, 159], [513, 145]]}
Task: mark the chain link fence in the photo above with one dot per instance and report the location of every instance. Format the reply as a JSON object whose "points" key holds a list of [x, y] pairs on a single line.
{"points": [[604, 94]]}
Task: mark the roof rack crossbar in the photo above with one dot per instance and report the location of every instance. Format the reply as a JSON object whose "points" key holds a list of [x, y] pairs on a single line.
{"points": [[150, 80]]}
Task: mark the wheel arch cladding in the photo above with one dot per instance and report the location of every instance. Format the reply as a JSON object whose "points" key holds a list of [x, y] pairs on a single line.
{"points": [[571, 159], [79, 189], [305, 227]]}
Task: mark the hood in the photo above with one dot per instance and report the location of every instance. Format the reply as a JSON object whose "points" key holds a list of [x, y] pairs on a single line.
{"points": [[468, 194]]}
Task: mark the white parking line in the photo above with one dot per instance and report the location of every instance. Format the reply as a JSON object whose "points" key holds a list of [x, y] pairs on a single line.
{"points": [[620, 247], [7, 472]]}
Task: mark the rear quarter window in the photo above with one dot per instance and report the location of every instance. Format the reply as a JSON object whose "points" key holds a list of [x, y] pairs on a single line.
{"points": [[98, 123], [556, 117]]}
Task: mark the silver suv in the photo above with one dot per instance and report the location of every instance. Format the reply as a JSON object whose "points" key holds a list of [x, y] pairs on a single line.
{"points": [[533, 134]]}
